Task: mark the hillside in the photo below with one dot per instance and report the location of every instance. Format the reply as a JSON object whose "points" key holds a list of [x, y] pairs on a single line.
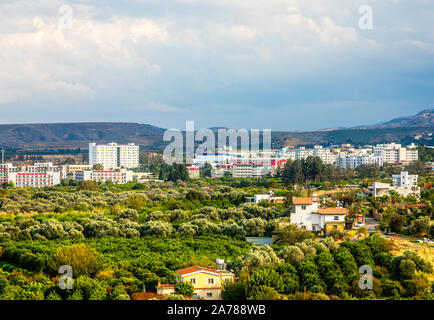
{"points": [[422, 119], [72, 135], [78, 135]]}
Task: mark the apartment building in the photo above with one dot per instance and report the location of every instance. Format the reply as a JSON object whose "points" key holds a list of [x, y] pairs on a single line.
{"points": [[118, 176], [403, 183], [114, 155], [255, 167], [395, 153], [351, 161], [35, 179], [37, 176], [193, 172], [404, 179]]}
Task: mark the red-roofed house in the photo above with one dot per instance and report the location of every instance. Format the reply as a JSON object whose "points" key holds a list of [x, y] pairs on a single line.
{"points": [[207, 282], [307, 214]]}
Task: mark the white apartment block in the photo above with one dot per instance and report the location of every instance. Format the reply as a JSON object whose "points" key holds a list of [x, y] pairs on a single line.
{"points": [[403, 183], [255, 167], [114, 155], [118, 176], [404, 179], [395, 153], [351, 161], [37, 176]]}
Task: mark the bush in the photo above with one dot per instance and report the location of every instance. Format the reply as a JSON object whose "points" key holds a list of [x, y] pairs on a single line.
{"points": [[82, 259], [234, 290], [184, 288], [291, 254], [264, 293]]}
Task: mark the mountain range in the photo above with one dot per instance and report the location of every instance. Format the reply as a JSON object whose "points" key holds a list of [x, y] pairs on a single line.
{"points": [[78, 135]]}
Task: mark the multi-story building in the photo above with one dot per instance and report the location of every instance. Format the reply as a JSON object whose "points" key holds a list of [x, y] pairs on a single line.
{"points": [[403, 183], [114, 155], [193, 172], [35, 179], [395, 153], [255, 167], [404, 179], [308, 215], [37, 176], [118, 176], [351, 161], [71, 168]]}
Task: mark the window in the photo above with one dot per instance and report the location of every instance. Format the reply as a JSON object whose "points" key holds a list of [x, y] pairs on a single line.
{"points": [[210, 281], [303, 207], [335, 226], [336, 217], [209, 294], [193, 281]]}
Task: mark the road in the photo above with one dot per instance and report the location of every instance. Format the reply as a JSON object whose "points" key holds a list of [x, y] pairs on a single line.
{"points": [[371, 224]]}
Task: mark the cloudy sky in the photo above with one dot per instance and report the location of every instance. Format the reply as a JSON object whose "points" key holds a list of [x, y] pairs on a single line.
{"points": [[279, 64]]}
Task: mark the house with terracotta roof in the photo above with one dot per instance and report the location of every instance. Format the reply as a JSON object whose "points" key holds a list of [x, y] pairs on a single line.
{"points": [[207, 282], [308, 214]]}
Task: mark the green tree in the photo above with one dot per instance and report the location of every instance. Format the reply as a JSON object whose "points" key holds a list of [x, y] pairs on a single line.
{"points": [[184, 288]]}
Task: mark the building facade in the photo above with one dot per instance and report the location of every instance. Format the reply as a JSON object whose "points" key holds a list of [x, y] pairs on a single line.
{"points": [[114, 155], [351, 161], [308, 215], [207, 283], [395, 153], [118, 176], [39, 175]]}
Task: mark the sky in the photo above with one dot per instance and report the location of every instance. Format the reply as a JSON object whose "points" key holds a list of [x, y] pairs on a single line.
{"points": [[278, 64]]}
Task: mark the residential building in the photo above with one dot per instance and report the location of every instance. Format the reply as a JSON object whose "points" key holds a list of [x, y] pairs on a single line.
{"points": [[255, 167], [114, 155], [351, 161], [207, 282], [71, 168], [308, 215], [404, 179], [35, 179], [403, 183], [265, 197], [37, 176], [395, 153], [193, 172], [118, 176]]}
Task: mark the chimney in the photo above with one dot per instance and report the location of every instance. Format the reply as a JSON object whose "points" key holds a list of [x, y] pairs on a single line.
{"points": [[159, 282]]}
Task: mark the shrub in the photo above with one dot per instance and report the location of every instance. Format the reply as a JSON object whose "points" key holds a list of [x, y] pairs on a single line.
{"points": [[234, 290], [291, 254], [184, 288], [82, 259]]}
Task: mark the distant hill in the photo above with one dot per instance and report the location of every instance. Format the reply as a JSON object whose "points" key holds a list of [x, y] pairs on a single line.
{"points": [[78, 135], [422, 119], [73, 135]]}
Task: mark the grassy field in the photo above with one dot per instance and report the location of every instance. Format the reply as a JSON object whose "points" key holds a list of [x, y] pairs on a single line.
{"points": [[426, 250]]}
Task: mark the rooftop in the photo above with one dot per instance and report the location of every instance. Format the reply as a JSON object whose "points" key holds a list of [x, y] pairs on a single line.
{"points": [[193, 269], [332, 211], [303, 200]]}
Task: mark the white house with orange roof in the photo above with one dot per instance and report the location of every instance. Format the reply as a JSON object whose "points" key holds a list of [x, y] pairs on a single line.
{"points": [[307, 214]]}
